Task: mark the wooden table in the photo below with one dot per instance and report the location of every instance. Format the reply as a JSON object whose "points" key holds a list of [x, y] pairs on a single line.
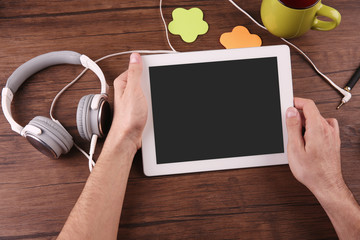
{"points": [[37, 193]]}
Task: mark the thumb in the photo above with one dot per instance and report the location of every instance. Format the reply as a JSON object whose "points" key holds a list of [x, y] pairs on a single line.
{"points": [[294, 129], [135, 70]]}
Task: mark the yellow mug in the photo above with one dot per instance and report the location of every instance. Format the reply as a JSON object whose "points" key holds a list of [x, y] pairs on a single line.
{"points": [[288, 22]]}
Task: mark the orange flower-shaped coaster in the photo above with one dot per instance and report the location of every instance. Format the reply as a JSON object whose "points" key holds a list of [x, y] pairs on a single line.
{"points": [[240, 37]]}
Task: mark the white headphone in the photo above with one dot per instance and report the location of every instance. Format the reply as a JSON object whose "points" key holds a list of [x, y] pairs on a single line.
{"points": [[49, 136]]}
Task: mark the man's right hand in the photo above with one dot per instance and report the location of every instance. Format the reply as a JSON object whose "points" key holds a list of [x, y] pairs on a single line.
{"points": [[314, 157]]}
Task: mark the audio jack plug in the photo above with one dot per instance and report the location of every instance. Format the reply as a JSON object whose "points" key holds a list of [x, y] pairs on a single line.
{"points": [[353, 80]]}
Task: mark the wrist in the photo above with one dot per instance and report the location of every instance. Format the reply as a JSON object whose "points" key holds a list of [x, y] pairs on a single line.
{"points": [[324, 185], [337, 192], [342, 209], [133, 135], [119, 145]]}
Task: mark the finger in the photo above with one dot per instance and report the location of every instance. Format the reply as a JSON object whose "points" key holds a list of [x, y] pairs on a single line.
{"points": [[120, 83], [302, 118], [135, 70], [294, 129], [334, 124], [311, 113], [307, 106]]}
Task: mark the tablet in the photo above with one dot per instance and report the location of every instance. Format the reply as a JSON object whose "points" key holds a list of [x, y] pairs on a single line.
{"points": [[216, 110]]}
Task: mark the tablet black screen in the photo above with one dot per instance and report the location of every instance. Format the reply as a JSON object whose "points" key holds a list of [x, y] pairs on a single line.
{"points": [[216, 110]]}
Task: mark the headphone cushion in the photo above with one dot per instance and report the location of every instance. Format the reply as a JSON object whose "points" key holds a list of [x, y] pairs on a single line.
{"points": [[83, 115], [54, 135]]}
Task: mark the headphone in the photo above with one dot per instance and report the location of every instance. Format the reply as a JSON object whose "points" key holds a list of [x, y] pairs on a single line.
{"points": [[93, 117]]}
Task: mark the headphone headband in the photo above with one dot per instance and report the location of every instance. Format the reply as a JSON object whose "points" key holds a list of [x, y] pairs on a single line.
{"points": [[34, 65], [38, 63]]}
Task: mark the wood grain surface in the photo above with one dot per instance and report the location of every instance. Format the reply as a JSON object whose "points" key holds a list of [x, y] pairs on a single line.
{"points": [[37, 193]]}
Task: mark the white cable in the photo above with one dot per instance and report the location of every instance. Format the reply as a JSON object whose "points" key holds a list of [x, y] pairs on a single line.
{"points": [[93, 142], [248, 15], [134, 51], [165, 26], [346, 94], [91, 162], [81, 150], [62, 90]]}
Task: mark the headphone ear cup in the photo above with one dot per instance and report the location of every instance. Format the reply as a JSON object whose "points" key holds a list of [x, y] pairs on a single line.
{"points": [[53, 141], [93, 121], [82, 117]]}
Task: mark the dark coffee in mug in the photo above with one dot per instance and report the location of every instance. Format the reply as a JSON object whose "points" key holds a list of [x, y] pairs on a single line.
{"points": [[299, 4]]}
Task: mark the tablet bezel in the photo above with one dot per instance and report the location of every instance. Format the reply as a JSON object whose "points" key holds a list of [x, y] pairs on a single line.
{"points": [[281, 52]]}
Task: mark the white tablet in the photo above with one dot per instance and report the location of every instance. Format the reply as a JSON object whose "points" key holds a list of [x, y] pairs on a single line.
{"points": [[216, 110]]}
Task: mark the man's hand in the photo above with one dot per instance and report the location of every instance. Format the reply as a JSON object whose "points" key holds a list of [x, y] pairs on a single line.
{"points": [[130, 108], [314, 157], [96, 214]]}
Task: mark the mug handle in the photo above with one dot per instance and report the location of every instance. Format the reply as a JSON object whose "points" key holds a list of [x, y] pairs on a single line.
{"points": [[329, 12]]}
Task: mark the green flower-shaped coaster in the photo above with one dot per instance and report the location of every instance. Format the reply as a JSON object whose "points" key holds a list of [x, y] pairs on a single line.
{"points": [[188, 24]]}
